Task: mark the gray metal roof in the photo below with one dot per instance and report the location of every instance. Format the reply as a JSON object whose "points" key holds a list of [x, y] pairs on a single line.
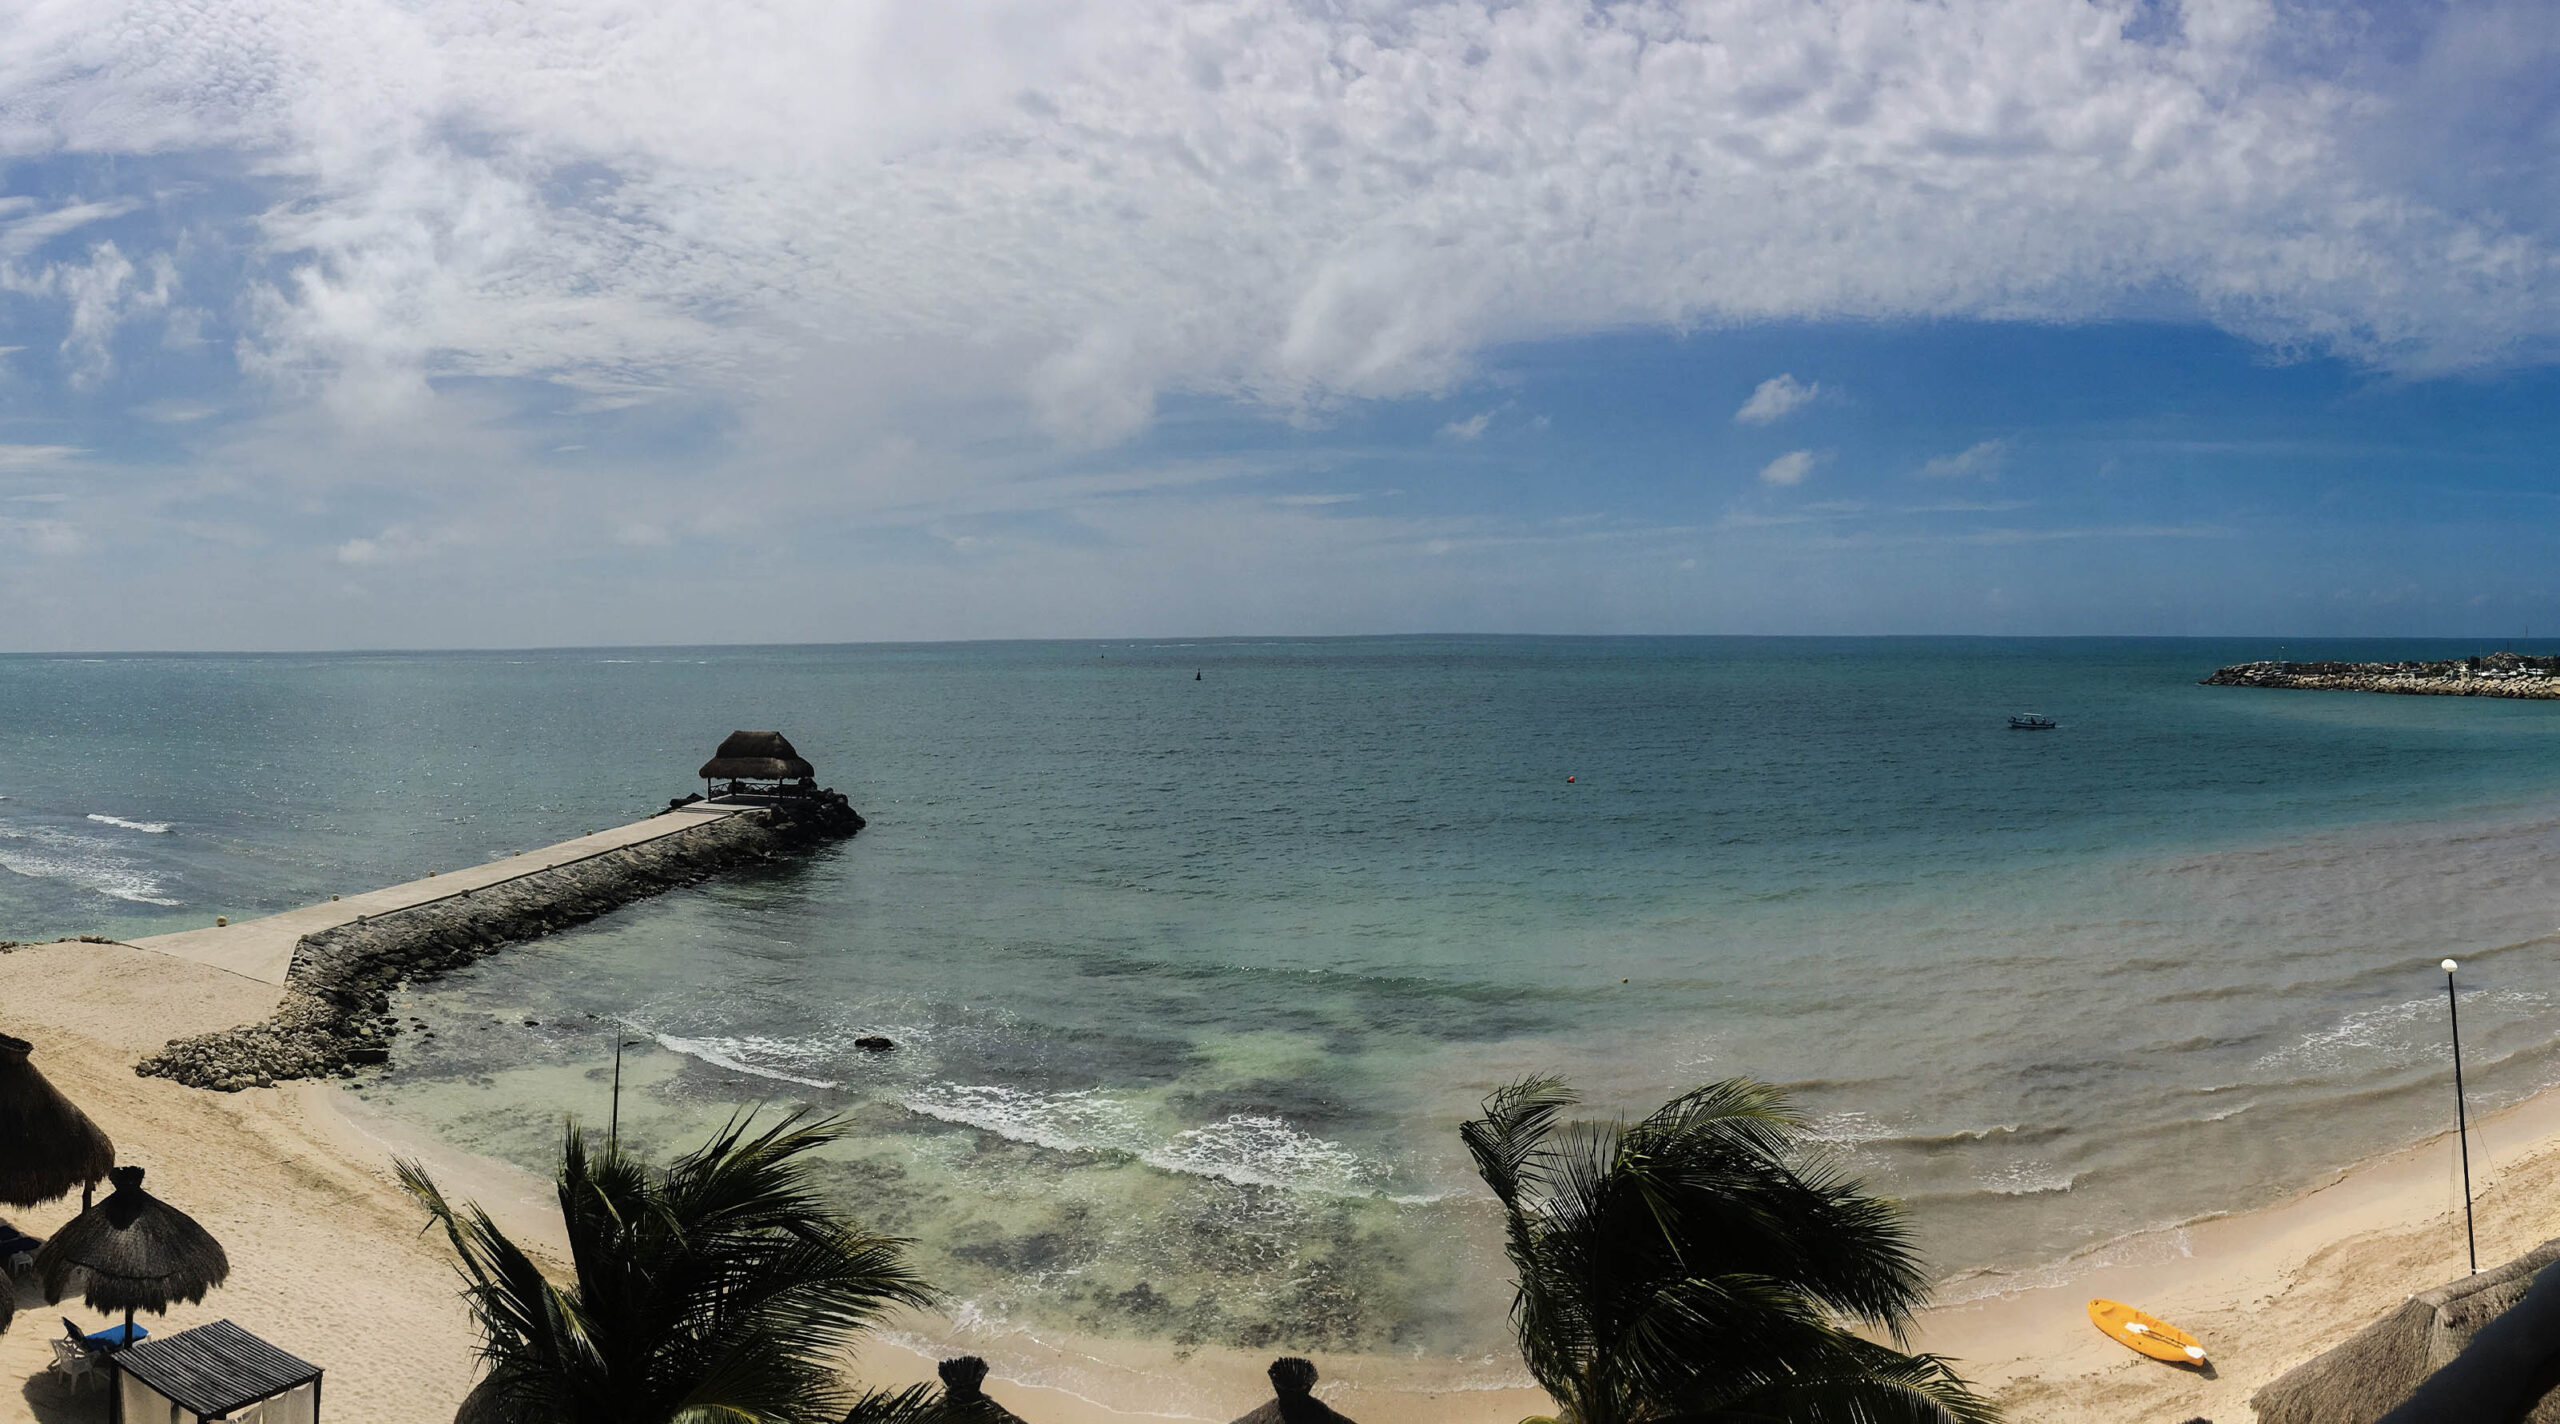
{"points": [[214, 1369]]}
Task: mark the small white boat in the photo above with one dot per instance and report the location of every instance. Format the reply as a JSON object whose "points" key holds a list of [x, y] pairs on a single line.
{"points": [[2032, 722]]}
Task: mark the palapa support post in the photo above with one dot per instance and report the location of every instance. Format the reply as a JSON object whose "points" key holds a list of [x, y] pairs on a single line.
{"points": [[2461, 1117]]}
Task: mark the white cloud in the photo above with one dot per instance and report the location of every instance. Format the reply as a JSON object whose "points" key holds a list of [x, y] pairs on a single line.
{"points": [[402, 544], [1789, 468], [42, 536], [1981, 462], [101, 294], [20, 236], [1777, 396], [169, 410], [1086, 206], [1469, 428]]}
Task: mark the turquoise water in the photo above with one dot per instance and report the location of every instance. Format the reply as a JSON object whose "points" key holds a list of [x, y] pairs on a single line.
{"points": [[1194, 977]]}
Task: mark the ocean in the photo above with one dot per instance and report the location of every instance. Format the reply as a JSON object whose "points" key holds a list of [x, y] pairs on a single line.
{"points": [[1197, 953]]}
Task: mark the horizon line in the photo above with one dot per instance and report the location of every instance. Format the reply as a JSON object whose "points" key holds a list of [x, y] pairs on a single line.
{"points": [[1187, 639]]}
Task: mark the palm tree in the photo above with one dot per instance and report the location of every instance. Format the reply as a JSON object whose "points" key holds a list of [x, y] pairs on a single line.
{"points": [[719, 1291], [1703, 1267]]}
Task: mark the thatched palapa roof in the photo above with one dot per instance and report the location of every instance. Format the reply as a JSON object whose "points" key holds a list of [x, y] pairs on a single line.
{"points": [[131, 1252], [964, 1396], [47, 1146], [2381, 1366], [755, 756], [1292, 1380], [2506, 1375], [483, 1405]]}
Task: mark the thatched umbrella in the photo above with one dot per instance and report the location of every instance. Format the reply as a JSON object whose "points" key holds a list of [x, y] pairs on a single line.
{"points": [[964, 1397], [47, 1146], [131, 1252], [756, 756], [2380, 1366], [1293, 1379]]}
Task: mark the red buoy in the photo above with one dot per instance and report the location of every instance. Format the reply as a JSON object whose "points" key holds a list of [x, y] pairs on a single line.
{"points": [[1568, 781]]}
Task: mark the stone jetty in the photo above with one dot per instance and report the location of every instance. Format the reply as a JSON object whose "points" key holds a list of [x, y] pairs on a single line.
{"points": [[2489, 675], [338, 963]]}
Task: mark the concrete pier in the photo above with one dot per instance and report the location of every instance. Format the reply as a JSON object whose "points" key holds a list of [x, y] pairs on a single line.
{"points": [[262, 949], [336, 965]]}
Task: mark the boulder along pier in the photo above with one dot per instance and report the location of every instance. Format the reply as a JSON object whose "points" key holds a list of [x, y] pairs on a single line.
{"points": [[2489, 675], [337, 963]]}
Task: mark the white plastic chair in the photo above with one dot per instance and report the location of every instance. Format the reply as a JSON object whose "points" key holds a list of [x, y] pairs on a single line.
{"points": [[73, 1360]]}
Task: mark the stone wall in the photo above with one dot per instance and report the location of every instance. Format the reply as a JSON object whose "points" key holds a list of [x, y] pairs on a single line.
{"points": [[336, 1013], [2492, 675]]}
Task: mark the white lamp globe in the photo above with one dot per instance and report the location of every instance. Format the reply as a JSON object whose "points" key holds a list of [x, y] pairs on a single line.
{"points": [[2448, 966]]}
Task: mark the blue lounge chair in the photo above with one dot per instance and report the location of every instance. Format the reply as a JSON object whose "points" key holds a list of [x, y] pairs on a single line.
{"points": [[114, 1337]]}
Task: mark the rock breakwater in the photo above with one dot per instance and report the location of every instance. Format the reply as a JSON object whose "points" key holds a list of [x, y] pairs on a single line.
{"points": [[2490, 675], [336, 1016]]}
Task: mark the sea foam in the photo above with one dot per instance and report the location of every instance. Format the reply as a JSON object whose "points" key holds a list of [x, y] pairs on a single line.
{"points": [[1246, 1149], [726, 1053], [92, 865]]}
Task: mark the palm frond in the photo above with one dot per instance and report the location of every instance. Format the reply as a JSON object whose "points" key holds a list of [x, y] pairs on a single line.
{"points": [[916, 1404], [1506, 1141], [1701, 1260], [721, 1289], [1869, 1385]]}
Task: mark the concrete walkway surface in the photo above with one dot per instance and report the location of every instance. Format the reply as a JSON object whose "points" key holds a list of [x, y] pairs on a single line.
{"points": [[262, 949]]}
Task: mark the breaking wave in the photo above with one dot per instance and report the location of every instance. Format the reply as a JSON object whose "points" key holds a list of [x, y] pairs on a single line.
{"points": [[1243, 1148], [77, 860], [733, 1054], [149, 828]]}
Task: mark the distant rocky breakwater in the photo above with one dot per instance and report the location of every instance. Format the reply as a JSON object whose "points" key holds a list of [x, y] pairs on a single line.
{"points": [[336, 1016], [2490, 675]]}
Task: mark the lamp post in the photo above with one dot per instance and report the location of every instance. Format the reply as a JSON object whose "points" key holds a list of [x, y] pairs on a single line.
{"points": [[2461, 1119], [613, 1123]]}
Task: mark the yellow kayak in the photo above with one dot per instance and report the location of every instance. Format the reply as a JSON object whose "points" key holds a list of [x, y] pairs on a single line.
{"points": [[2145, 1333]]}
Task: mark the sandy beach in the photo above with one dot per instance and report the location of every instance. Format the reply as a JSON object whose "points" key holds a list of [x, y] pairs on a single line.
{"points": [[2265, 1290], [328, 1258]]}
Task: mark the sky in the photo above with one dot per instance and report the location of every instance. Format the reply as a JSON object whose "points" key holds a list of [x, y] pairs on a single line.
{"points": [[476, 323]]}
